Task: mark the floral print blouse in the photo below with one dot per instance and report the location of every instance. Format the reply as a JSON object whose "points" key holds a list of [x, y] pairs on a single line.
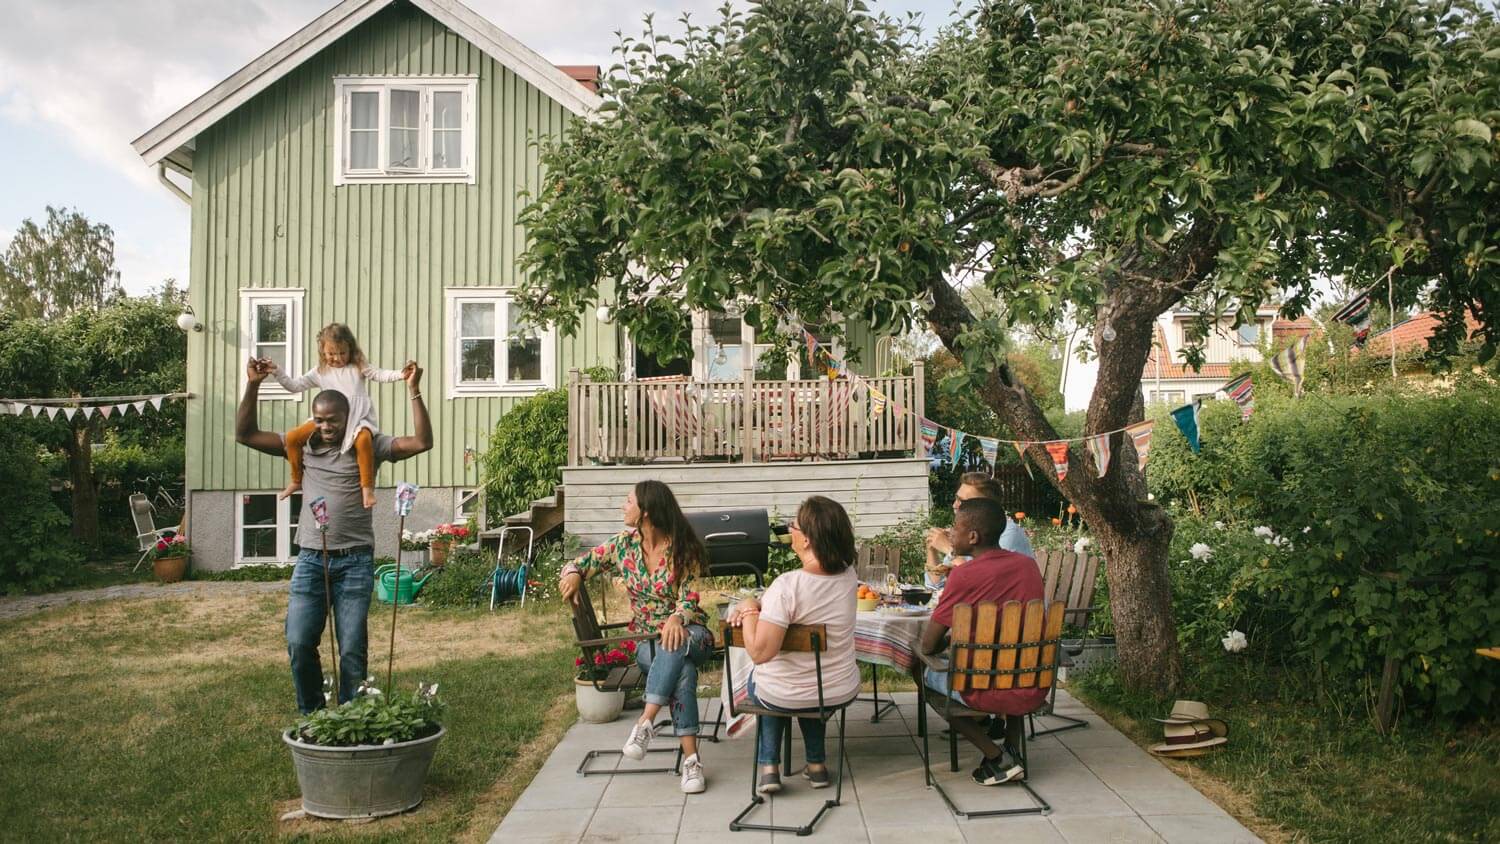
{"points": [[653, 597]]}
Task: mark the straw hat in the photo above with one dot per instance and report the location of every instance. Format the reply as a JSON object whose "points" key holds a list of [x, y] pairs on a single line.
{"points": [[1189, 731]]}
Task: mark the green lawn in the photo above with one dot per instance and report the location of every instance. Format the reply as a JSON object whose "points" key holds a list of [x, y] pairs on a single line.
{"points": [[1306, 764], [160, 720]]}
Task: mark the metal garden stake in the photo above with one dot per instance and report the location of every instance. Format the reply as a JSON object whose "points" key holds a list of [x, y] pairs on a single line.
{"points": [[319, 507], [406, 496]]}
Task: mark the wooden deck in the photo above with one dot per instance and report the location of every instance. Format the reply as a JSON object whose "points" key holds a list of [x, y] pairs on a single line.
{"points": [[746, 421]]}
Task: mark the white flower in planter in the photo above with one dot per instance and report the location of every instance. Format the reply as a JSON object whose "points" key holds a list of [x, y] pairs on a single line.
{"points": [[1307, 529], [1235, 642], [1082, 543], [1218, 525], [1200, 551]]}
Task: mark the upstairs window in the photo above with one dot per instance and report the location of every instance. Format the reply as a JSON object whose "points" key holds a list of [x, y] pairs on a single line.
{"points": [[404, 129], [1249, 334], [493, 351]]}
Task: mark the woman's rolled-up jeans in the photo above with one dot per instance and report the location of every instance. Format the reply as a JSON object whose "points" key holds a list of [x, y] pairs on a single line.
{"points": [[672, 676], [773, 728]]}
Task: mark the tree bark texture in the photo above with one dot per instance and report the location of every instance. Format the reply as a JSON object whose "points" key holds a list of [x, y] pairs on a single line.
{"points": [[85, 493]]}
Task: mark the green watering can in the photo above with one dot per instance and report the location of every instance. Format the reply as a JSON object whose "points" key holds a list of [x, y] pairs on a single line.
{"points": [[386, 583]]}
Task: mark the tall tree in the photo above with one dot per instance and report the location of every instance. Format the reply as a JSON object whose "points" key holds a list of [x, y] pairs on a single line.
{"points": [[1112, 160], [129, 347], [64, 265]]}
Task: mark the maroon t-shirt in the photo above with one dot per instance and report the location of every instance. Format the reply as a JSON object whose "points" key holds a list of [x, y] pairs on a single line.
{"points": [[994, 575]]}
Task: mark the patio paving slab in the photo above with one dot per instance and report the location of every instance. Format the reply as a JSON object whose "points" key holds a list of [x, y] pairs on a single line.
{"points": [[1100, 785]]}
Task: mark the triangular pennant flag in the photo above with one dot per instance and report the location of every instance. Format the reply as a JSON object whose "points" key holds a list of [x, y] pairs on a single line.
{"points": [[69, 412], [140, 407], [105, 410], [1140, 435], [812, 347], [1242, 390], [1186, 418], [1288, 364], [1098, 446], [1059, 452], [928, 430], [877, 403], [156, 401], [955, 445], [1021, 450], [990, 449], [121, 408]]}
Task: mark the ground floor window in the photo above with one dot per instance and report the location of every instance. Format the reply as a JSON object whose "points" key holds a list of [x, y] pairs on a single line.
{"points": [[266, 528]]}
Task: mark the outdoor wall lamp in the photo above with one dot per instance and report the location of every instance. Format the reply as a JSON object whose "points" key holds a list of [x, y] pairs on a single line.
{"points": [[187, 321]]}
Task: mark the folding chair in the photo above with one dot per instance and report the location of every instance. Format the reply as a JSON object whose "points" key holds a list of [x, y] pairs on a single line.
{"points": [[800, 638], [1070, 578], [867, 556], [146, 532], [992, 647], [625, 678]]}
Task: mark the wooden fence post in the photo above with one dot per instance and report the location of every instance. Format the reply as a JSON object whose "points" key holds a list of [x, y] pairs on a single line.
{"points": [[919, 404], [747, 415], [573, 417]]}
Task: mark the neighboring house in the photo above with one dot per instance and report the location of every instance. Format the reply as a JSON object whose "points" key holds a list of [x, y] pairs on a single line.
{"points": [[368, 170], [1410, 338], [1166, 379]]}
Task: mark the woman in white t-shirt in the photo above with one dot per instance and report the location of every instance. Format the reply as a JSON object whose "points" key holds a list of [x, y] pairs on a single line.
{"points": [[820, 592]]}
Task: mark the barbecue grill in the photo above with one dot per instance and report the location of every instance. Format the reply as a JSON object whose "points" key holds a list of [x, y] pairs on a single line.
{"points": [[738, 541]]}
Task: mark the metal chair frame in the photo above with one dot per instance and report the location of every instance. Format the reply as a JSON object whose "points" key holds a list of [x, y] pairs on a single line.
{"points": [[817, 643], [1078, 594], [141, 510]]}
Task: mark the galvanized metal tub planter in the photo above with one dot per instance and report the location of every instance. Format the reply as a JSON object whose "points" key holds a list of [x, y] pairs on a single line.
{"points": [[595, 706], [364, 781]]}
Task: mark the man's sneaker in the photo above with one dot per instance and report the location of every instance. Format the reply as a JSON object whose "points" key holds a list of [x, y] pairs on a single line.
{"points": [[692, 775], [769, 782], [818, 778], [640, 739], [998, 771]]}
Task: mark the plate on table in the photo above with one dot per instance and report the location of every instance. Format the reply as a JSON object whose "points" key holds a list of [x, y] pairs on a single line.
{"points": [[904, 610]]}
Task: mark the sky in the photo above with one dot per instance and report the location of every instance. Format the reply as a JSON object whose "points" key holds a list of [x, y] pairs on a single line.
{"points": [[81, 79]]}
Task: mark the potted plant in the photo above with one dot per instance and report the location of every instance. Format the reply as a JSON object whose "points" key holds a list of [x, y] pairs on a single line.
{"points": [[368, 757], [445, 537], [415, 547], [596, 706], [169, 558]]}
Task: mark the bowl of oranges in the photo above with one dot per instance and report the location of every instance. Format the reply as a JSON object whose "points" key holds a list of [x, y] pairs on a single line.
{"points": [[867, 599]]}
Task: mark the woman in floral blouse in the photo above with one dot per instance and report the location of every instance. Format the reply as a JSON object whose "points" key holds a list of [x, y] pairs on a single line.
{"points": [[658, 557]]}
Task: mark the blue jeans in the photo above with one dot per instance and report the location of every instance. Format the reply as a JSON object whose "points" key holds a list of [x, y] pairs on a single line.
{"points": [[352, 577], [672, 676], [938, 682], [773, 729]]}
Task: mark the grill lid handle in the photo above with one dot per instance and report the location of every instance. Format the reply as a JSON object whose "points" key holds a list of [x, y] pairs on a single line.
{"points": [[732, 534]]}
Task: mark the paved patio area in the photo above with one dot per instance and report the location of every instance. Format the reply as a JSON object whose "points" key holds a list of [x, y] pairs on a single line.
{"points": [[1102, 788]]}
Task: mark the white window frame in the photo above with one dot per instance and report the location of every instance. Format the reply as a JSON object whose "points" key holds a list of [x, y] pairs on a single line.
{"points": [[292, 297], [462, 496], [285, 531], [503, 298], [1240, 338], [383, 174]]}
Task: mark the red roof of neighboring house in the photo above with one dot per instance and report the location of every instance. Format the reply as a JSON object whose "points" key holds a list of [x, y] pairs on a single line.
{"points": [[586, 75], [1299, 327], [1171, 370], [1415, 331]]}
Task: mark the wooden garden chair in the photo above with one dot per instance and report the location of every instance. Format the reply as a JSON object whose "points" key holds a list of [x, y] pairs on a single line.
{"points": [[595, 638], [993, 647], [800, 638], [1070, 578]]}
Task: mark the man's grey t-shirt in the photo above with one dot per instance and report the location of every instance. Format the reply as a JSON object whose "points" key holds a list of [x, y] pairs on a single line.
{"points": [[335, 477]]}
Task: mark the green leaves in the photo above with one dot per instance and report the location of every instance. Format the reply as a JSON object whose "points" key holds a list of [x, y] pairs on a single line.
{"points": [[1472, 129]]}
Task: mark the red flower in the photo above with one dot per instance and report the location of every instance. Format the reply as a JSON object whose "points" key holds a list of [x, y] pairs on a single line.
{"points": [[598, 659], [577, 661], [630, 645], [161, 545]]}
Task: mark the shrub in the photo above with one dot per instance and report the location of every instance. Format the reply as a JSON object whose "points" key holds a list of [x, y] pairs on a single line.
{"points": [[374, 718], [464, 581], [527, 451], [1392, 504], [260, 574], [40, 555]]}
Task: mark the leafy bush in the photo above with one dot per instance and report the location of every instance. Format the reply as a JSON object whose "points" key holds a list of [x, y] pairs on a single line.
{"points": [[259, 574], [527, 451], [1392, 504], [39, 555], [464, 581], [374, 718]]}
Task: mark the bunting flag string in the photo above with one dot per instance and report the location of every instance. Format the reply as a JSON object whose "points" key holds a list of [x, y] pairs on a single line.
{"points": [[86, 406], [929, 433], [955, 445], [1186, 418], [1099, 447], [1021, 451], [1288, 364], [989, 448], [1059, 452], [1242, 390], [1140, 435], [877, 403]]}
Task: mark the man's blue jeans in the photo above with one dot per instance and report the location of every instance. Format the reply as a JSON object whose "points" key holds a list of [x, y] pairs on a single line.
{"points": [[672, 676], [352, 577], [814, 732]]}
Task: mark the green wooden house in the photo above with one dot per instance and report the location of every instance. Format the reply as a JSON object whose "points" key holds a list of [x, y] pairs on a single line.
{"points": [[369, 170]]}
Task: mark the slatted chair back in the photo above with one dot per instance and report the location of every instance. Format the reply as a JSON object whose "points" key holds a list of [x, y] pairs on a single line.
{"points": [[1013, 645], [594, 638], [799, 638], [1070, 577], [868, 555]]}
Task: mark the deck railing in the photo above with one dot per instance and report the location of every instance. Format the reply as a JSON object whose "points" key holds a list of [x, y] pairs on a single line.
{"points": [[748, 420]]}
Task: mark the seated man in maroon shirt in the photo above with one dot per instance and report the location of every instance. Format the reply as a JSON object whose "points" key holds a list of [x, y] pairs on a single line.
{"points": [[995, 575]]}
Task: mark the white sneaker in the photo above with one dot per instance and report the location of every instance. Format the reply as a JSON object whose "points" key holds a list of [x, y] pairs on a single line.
{"points": [[692, 775], [641, 736]]}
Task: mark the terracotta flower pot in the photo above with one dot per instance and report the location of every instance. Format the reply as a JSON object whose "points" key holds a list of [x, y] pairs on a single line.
{"points": [[437, 552], [169, 569]]}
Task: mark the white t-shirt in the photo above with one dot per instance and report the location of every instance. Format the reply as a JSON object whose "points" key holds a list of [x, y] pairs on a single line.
{"points": [[790, 680]]}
